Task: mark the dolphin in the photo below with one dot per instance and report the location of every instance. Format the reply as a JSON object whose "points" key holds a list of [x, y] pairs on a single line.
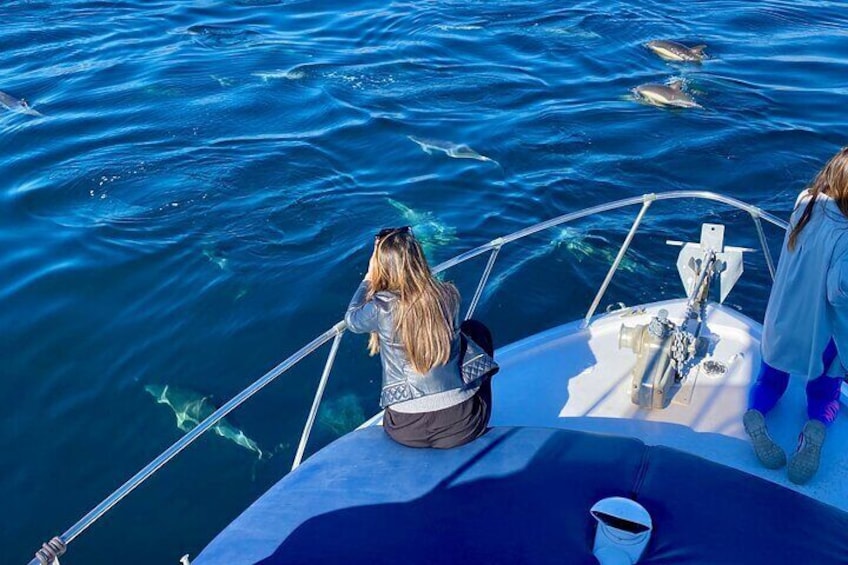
{"points": [[581, 246], [292, 74], [426, 227], [457, 151], [216, 257], [15, 105], [671, 51], [220, 36], [342, 414], [191, 408], [222, 81], [662, 95]]}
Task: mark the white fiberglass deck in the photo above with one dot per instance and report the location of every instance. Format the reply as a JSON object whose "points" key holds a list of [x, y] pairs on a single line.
{"points": [[577, 378]]}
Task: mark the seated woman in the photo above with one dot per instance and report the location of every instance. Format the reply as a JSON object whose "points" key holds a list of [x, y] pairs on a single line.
{"points": [[412, 317]]}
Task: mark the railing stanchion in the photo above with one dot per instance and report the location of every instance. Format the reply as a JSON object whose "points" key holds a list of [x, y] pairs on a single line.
{"points": [[614, 267], [486, 272], [316, 402], [764, 243]]}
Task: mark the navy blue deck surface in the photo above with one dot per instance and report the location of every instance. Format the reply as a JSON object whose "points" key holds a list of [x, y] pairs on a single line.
{"points": [[521, 495]]}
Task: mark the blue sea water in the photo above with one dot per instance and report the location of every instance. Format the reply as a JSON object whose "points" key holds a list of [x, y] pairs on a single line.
{"points": [[198, 200]]}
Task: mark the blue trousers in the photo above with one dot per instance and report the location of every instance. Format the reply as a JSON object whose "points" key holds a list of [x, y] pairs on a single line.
{"points": [[822, 392]]}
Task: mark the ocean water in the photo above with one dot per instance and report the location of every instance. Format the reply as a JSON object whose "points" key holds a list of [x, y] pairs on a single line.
{"points": [[198, 198]]}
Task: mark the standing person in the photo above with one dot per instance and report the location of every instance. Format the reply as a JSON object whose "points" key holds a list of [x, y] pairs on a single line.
{"points": [[805, 331], [413, 320]]}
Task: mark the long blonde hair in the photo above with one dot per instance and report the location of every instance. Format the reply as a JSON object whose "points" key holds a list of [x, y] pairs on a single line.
{"points": [[831, 181], [425, 310]]}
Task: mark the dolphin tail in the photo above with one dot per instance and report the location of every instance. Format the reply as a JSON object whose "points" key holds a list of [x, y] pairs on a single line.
{"points": [[248, 444]]}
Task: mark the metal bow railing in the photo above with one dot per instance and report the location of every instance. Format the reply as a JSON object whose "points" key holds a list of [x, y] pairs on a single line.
{"points": [[54, 548]]}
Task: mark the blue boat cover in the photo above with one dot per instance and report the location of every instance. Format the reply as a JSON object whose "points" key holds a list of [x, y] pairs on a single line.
{"points": [[521, 495]]}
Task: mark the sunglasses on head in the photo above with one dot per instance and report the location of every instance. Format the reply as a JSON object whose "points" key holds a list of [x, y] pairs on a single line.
{"points": [[385, 232]]}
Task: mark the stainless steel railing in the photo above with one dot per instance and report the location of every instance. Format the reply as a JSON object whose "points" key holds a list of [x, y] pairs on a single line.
{"points": [[336, 331]]}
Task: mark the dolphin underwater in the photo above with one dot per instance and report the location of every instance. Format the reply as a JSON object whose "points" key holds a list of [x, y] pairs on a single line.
{"points": [[580, 245], [672, 51], [662, 95], [217, 257], [15, 105], [191, 408], [457, 151], [342, 414], [427, 228]]}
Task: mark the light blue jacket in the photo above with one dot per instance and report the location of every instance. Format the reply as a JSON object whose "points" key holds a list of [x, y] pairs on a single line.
{"points": [[808, 304]]}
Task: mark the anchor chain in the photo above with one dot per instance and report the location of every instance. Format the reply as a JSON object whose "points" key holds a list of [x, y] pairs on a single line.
{"points": [[682, 348]]}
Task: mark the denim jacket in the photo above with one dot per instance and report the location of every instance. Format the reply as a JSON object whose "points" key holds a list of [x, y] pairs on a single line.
{"points": [[400, 380]]}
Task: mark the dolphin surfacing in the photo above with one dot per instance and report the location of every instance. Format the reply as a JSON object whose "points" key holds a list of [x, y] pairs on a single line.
{"points": [[662, 95], [673, 51], [191, 408], [21, 106]]}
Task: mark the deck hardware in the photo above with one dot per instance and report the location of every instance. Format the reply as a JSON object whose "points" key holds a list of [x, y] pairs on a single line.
{"points": [[714, 368], [635, 311], [666, 351], [662, 350], [623, 531], [615, 307]]}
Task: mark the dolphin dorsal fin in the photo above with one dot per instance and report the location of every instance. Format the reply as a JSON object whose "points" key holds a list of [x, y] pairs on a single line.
{"points": [[699, 49], [676, 85]]}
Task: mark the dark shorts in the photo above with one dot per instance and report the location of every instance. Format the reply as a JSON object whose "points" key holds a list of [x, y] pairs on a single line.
{"points": [[452, 426]]}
